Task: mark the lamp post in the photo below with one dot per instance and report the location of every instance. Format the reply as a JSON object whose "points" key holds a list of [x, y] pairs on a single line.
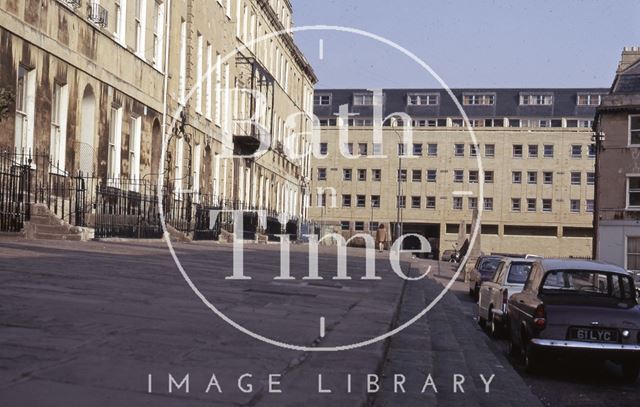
{"points": [[598, 138]]}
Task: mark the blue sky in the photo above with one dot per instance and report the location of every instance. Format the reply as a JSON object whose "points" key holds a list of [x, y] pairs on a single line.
{"points": [[469, 43]]}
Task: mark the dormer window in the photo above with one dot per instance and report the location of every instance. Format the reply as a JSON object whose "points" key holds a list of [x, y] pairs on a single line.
{"points": [[589, 99], [478, 99], [321, 100], [363, 99], [422, 99], [535, 99]]}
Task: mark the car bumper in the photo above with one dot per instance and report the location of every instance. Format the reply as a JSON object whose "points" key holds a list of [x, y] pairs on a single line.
{"points": [[606, 350]]}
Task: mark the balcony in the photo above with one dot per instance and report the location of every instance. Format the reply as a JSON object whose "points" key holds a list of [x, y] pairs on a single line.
{"points": [[97, 14], [72, 4]]}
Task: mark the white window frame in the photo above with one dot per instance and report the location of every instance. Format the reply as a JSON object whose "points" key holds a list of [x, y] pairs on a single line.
{"points": [[120, 32], [59, 111], [362, 99], [628, 192], [182, 74], [115, 145], [423, 99], [141, 27], [135, 140], [158, 35], [25, 115], [198, 79], [629, 143]]}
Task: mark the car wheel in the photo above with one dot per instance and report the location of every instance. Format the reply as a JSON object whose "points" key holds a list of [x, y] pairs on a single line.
{"points": [[494, 326], [630, 372], [532, 358], [514, 350], [482, 322]]}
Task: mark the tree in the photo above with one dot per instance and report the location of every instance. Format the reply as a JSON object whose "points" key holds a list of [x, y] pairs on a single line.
{"points": [[6, 99]]}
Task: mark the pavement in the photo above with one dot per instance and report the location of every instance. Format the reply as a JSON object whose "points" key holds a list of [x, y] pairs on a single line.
{"points": [[115, 324]]}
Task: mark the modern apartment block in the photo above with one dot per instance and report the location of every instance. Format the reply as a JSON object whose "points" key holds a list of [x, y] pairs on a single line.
{"points": [[618, 167], [103, 87], [534, 160]]}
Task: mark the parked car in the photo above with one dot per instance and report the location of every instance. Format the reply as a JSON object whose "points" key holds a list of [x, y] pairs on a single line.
{"points": [[508, 279], [446, 255], [482, 271], [577, 307]]}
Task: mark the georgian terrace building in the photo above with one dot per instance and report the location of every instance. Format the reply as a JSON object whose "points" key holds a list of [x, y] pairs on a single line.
{"points": [[97, 83], [534, 144]]}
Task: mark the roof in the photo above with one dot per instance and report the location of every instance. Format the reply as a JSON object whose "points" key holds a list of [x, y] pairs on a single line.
{"points": [[575, 264], [507, 103]]}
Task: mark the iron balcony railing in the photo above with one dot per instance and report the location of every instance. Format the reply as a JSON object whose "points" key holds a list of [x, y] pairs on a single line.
{"points": [[72, 4], [97, 14]]}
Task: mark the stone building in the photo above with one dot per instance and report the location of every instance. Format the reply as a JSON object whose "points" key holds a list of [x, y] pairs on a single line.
{"points": [[617, 128], [106, 87], [403, 157]]}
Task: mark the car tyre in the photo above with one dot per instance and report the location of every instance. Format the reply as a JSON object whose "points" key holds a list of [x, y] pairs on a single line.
{"points": [[532, 358], [630, 372], [514, 350], [494, 327]]}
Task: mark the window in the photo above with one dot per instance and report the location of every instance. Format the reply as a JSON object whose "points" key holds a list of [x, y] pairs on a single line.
{"points": [[532, 177], [416, 202], [361, 201], [218, 106], [458, 176], [322, 199], [488, 204], [25, 108], [324, 149], [178, 165], [121, 21], [592, 151], [197, 154], [531, 204], [634, 129], [401, 149], [135, 128], [416, 175], [321, 100], [375, 201], [182, 74], [473, 176], [417, 149], [373, 226], [515, 204], [457, 203], [546, 205], [473, 150], [344, 225], [158, 35], [198, 78], [322, 174], [420, 99], [377, 148], [363, 99], [432, 175], [516, 177], [576, 178], [533, 150], [589, 205], [547, 177], [362, 148], [490, 150], [473, 202], [589, 99], [458, 150], [432, 150], [431, 202], [488, 177], [346, 200], [115, 143], [59, 106], [347, 149], [346, 174], [401, 201], [517, 151], [633, 192], [140, 26], [633, 253], [576, 151], [402, 175], [575, 205], [207, 82], [536, 99], [478, 99], [591, 178], [363, 122], [376, 174], [358, 226], [548, 151], [362, 174]]}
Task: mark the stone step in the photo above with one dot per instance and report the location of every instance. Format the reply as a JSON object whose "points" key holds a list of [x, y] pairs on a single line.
{"points": [[58, 229], [58, 236], [44, 220]]}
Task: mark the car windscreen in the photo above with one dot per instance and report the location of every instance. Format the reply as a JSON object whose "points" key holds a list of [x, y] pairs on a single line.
{"points": [[589, 283], [518, 273], [489, 265]]}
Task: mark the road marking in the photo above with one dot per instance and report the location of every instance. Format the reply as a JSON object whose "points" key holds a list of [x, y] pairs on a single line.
{"points": [[321, 49], [322, 327]]}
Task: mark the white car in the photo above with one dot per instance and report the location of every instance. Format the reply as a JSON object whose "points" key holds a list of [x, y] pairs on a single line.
{"points": [[494, 294]]}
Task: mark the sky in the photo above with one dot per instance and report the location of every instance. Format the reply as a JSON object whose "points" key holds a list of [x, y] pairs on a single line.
{"points": [[468, 43]]}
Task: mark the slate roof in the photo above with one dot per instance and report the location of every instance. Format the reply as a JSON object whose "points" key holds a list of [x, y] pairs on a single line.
{"points": [[507, 103]]}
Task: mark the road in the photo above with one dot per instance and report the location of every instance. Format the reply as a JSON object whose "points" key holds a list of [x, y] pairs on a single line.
{"points": [[562, 382]]}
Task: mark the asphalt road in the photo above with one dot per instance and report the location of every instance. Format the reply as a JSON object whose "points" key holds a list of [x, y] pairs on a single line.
{"points": [[564, 382]]}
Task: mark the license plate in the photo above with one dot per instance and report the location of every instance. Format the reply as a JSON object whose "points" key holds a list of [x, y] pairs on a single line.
{"points": [[593, 334]]}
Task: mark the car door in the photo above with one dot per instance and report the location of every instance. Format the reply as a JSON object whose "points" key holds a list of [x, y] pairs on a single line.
{"points": [[488, 289], [517, 307]]}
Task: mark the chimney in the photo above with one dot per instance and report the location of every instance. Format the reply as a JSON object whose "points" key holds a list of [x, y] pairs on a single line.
{"points": [[630, 55]]}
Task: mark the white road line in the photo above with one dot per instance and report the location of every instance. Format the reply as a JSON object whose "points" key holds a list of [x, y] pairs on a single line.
{"points": [[322, 327]]}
